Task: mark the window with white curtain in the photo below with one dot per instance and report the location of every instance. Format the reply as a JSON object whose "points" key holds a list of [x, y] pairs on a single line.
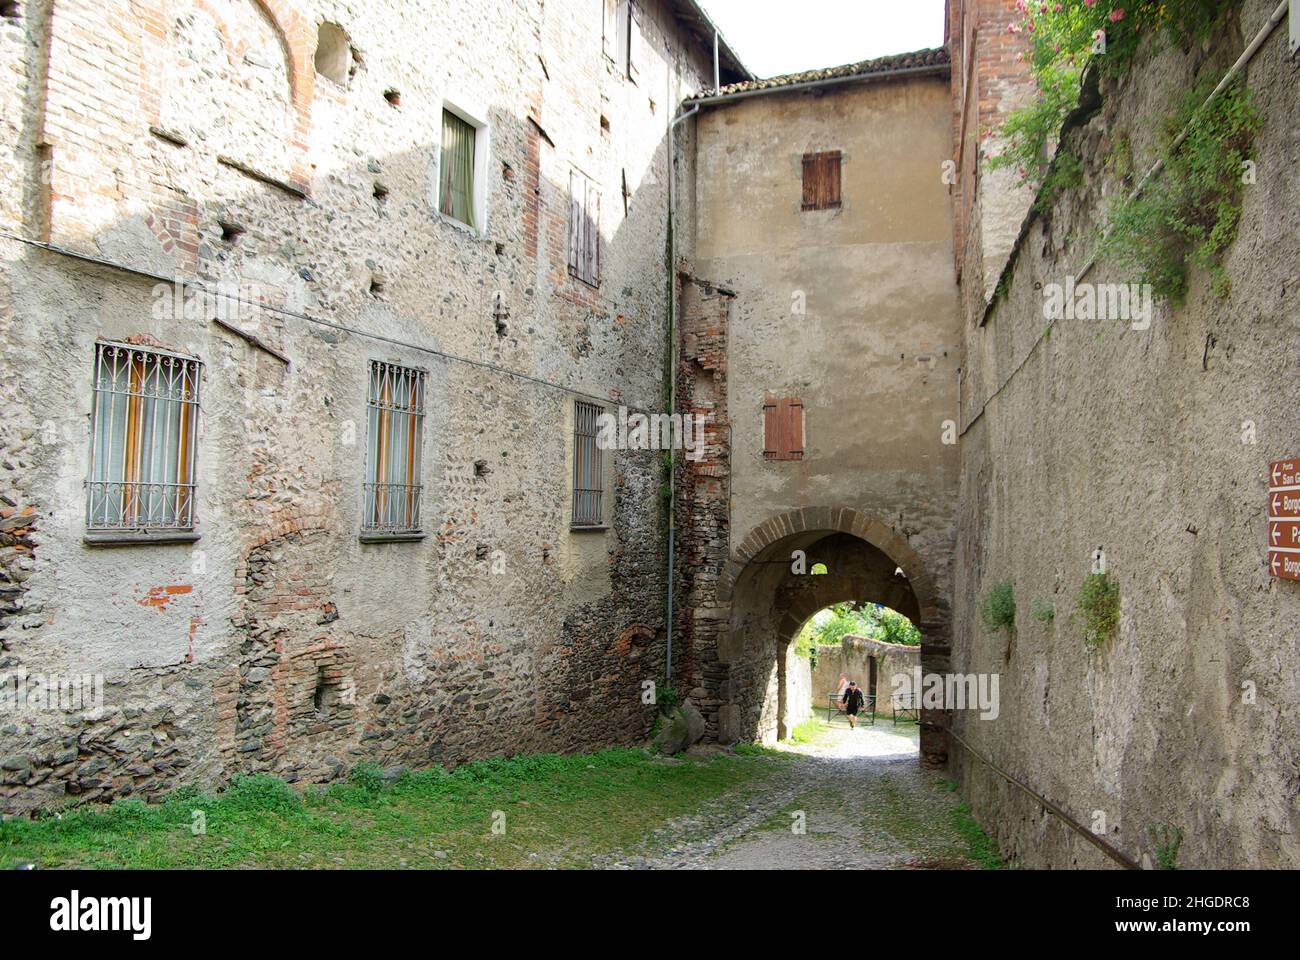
{"points": [[144, 426], [394, 444]]}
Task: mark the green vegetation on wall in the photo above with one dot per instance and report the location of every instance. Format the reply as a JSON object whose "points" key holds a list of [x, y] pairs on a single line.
{"points": [[998, 611], [1099, 603], [1189, 213]]}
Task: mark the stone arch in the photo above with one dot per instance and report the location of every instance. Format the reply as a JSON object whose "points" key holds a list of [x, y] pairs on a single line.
{"points": [[847, 520], [296, 37], [742, 660]]}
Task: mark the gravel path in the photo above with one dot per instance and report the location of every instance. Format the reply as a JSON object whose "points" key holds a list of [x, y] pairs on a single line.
{"points": [[850, 799]]}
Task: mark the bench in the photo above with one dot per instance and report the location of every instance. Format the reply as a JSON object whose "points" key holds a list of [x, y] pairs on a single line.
{"points": [[904, 706]]}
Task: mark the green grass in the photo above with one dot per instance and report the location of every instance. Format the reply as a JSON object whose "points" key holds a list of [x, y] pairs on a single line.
{"points": [[979, 845], [808, 731], [558, 811]]}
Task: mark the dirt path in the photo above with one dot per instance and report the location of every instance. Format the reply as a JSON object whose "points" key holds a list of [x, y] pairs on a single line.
{"points": [[848, 800]]}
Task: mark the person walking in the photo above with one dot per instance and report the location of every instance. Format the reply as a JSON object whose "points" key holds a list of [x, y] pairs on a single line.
{"points": [[852, 702]]}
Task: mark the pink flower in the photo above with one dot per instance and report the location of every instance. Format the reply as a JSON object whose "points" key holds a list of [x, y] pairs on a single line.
{"points": [[1089, 3], [1117, 15]]}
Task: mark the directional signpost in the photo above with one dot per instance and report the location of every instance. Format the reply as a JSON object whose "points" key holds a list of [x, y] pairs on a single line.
{"points": [[1284, 519]]}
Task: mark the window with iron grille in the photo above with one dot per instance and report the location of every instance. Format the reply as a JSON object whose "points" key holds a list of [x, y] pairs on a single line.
{"points": [[143, 428], [821, 180], [588, 470], [394, 444]]}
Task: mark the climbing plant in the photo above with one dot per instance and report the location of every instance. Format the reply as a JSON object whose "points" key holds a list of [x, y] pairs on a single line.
{"points": [[1188, 215]]}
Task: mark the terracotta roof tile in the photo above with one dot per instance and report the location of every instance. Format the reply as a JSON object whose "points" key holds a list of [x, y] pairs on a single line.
{"points": [[936, 58]]}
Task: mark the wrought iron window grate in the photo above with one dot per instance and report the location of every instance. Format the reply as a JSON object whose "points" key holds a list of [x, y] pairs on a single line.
{"points": [[395, 412], [144, 424], [588, 476]]}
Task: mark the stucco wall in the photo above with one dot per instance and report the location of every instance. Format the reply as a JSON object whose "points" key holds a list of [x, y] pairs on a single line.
{"points": [[1153, 446], [851, 659]]}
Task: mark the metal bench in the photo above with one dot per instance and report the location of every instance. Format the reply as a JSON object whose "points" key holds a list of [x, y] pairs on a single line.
{"points": [[833, 707], [905, 707]]}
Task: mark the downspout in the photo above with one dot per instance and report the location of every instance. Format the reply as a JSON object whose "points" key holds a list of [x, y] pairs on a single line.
{"points": [[672, 366]]}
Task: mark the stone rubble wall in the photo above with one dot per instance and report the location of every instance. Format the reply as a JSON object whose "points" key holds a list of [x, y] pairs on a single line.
{"points": [[141, 132]]}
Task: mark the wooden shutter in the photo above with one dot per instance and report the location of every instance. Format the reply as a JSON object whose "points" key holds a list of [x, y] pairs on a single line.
{"points": [[634, 43], [821, 180], [584, 229], [609, 29], [577, 193], [621, 19], [783, 429]]}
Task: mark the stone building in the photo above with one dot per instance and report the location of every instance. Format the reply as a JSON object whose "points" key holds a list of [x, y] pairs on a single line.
{"points": [[820, 332], [302, 303], [376, 270]]}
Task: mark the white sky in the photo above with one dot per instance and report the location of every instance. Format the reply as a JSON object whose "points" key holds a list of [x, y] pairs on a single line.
{"points": [[774, 37]]}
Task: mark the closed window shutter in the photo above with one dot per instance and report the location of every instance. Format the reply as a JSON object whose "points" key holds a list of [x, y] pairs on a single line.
{"points": [[634, 44], [821, 180], [577, 195], [592, 274], [783, 429], [609, 26], [621, 20], [584, 229]]}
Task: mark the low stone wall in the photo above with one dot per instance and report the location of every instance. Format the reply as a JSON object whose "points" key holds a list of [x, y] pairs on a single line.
{"points": [[852, 660]]}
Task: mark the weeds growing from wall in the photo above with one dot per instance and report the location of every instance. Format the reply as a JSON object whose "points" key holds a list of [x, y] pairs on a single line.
{"points": [[1067, 36], [1044, 612], [998, 611], [1167, 841], [1098, 601], [1189, 214]]}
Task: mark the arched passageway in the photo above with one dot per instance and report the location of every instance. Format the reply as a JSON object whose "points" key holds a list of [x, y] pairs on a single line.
{"points": [[767, 592]]}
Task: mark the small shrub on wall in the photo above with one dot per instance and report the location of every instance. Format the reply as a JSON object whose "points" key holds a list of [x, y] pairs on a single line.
{"points": [[998, 611], [1098, 601]]}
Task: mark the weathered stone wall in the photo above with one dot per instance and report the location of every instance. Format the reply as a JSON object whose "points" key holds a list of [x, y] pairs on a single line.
{"points": [[197, 140], [1151, 445]]}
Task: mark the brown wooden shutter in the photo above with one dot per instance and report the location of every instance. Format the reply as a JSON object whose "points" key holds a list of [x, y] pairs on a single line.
{"points": [[783, 429], [821, 180]]}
